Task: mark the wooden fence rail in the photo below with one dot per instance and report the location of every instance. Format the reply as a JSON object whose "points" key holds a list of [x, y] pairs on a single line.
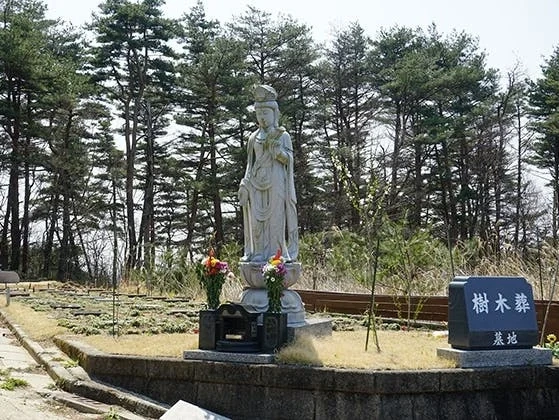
{"points": [[420, 308]]}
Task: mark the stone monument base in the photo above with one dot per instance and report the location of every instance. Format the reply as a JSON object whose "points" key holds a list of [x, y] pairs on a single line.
{"points": [[497, 358], [317, 327]]}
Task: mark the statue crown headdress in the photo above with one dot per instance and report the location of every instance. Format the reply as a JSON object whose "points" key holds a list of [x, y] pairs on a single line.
{"points": [[264, 93]]}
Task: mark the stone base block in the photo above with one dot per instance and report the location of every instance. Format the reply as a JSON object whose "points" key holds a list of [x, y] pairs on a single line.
{"points": [[216, 356], [318, 327], [497, 358]]}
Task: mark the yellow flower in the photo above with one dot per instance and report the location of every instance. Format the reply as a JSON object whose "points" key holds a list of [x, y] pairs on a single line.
{"points": [[551, 338], [276, 262]]}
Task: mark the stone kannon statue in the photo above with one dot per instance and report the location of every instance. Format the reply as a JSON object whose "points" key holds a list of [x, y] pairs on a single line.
{"points": [[267, 191], [267, 195]]}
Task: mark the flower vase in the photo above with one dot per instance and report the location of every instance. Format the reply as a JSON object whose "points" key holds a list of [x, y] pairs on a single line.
{"points": [[212, 296], [207, 329], [274, 331], [274, 300]]}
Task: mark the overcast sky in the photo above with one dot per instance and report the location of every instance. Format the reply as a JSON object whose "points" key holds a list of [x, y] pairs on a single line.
{"points": [[509, 31]]}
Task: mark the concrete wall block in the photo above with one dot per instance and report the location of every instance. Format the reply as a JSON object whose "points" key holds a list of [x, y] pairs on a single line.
{"points": [[462, 406], [359, 381], [171, 369], [301, 403], [231, 400], [228, 373], [426, 404], [300, 377], [170, 391], [507, 378], [133, 383], [454, 380], [347, 405], [396, 406], [547, 378], [118, 366], [393, 382]]}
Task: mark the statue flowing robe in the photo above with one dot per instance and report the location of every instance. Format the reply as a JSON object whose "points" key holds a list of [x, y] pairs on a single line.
{"points": [[270, 216]]}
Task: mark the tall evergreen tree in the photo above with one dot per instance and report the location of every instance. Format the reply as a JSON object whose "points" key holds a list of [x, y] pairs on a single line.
{"points": [[544, 110], [349, 104], [30, 65], [210, 64], [132, 60]]}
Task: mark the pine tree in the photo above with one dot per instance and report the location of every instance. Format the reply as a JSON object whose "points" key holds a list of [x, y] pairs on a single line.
{"points": [[544, 110], [132, 61]]}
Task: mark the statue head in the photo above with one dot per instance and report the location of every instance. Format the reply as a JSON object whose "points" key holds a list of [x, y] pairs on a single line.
{"points": [[265, 97]]}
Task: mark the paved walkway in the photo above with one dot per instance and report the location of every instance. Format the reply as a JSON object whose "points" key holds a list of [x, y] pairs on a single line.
{"points": [[37, 400], [41, 399]]}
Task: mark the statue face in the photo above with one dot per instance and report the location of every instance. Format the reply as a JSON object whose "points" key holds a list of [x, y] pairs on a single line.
{"points": [[265, 117]]}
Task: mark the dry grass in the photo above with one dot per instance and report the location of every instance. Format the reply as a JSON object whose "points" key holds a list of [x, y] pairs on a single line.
{"points": [[37, 325], [400, 350], [346, 349], [167, 345]]}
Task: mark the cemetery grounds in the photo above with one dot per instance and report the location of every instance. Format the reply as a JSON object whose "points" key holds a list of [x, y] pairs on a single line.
{"points": [[152, 326]]}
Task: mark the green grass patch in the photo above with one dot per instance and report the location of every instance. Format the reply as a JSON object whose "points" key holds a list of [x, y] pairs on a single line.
{"points": [[12, 383]]}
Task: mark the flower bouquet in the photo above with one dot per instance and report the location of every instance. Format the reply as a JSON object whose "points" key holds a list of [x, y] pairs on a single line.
{"points": [[274, 274], [552, 344], [212, 274]]}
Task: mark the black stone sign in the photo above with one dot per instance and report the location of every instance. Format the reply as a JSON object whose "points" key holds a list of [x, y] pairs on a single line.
{"points": [[491, 313]]}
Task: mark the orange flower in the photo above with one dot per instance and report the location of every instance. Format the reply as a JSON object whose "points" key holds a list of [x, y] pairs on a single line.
{"points": [[210, 261], [276, 259]]}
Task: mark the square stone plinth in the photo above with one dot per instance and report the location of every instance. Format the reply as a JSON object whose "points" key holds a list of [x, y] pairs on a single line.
{"points": [[497, 358], [317, 327]]}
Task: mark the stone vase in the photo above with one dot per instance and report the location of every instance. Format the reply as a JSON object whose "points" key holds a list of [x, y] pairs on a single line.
{"points": [[207, 329], [274, 331]]}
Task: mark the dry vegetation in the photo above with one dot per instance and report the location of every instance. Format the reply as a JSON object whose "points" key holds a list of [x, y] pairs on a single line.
{"points": [[167, 345], [345, 349], [399, 349], [37, 325]]}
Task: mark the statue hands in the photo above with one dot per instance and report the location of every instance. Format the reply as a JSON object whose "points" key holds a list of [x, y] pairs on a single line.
{"points": [[275, 147], [282, 157]]}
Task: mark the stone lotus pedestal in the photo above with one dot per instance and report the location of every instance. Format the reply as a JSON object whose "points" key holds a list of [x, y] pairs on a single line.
{"points": [[256, 294]]}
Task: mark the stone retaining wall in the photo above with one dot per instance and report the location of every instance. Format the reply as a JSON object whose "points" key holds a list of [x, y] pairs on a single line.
{"points": [[243, 391]]}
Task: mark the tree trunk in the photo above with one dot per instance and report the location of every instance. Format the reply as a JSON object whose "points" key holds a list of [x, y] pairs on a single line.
{"points": [[518, 177], [13, 203], [49, 241], [147, 223], [64, 255], [130, 139], [25, 218], [395, 157]]}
